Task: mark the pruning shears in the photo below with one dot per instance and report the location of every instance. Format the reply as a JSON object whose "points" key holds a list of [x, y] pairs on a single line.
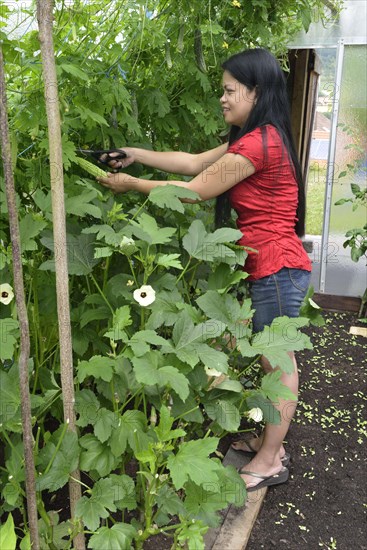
{"points": [[119, 154]]}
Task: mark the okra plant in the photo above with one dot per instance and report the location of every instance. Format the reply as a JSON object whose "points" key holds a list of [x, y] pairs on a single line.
{"points": [[164, 356]]}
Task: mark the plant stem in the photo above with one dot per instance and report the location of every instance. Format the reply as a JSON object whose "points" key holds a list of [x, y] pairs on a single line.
{"points": [[132, 270], [130, 399], [105, 272], [101, 293], [186, 412], [184, 269], [139, 209], [10, 443]]}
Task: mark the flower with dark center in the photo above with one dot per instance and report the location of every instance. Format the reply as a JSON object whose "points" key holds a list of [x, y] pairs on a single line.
{"points": [[145, 295], [6, 294]]}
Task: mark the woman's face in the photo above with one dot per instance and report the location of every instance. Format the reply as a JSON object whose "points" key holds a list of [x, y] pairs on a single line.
{"points": [[237, 101]]}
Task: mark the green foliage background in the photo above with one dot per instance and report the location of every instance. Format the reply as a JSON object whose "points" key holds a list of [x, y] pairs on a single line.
{"points": [[133, 73]]}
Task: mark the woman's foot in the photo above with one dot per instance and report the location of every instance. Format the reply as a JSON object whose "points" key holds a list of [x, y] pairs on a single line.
{"points": [[253, 445], [250, 446], [266, 481], [260, 472]]}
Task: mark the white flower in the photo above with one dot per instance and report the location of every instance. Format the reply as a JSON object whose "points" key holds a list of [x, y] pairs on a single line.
{"points": [[130, 283], [255, 414], [145, 295], [6, 294], [212, 372]]}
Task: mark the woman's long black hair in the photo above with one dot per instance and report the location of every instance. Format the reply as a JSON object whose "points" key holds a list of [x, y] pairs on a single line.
{"points": [[258, 68]]}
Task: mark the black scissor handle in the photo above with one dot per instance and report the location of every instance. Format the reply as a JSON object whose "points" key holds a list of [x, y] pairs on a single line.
{"points": [[96, 154]]}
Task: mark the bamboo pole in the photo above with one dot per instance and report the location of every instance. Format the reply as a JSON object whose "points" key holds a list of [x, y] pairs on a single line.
{"points": [[45, 24], [28, 441]]}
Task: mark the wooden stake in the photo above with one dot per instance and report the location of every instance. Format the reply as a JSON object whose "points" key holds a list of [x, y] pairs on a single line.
{"points": [[28, 441], [45, 23]]}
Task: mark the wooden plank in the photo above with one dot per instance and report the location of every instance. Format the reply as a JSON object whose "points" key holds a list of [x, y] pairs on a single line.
{"points": [[337, 303], [235, 531], [237, 527], [358, 331]]}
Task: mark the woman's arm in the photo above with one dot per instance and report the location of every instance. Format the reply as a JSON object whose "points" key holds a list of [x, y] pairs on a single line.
{"points": [[176, 162], [211, 182]]}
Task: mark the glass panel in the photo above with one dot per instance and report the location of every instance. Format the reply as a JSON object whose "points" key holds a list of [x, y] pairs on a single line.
{"points": [[343, 276], [318, 160], [351, 26]]}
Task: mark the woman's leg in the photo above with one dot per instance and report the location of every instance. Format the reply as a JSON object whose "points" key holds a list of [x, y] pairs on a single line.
{"points": [[273, 296], [267, 460]]}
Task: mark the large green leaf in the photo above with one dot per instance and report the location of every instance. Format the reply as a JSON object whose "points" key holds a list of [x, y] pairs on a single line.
{"points": [[149, 372], [104, 233], [169, 504], [80, 253], [276, 340], [189, 341], [80, 205], [30, 226], [74, 70], [63, 462], [91, 314], [274, 389], [163, 430], [168, 260], [124, 491], [121, 319], [8, 538], [140, 341], [131, 423], [225, 414], [192, 460], [117, 537], [172, 378], [86, 406], [212, 246], [164, 310], [105, 421], [224, 278], [168, 196], [9, 396], [226, 309], [98, 367], [96, 456], [146, 229], [9, 330], [99, 504], [202, 502], [91, 511]]}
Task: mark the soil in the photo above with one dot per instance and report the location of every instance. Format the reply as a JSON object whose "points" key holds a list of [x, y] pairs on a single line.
{"points": [[323, 505]]}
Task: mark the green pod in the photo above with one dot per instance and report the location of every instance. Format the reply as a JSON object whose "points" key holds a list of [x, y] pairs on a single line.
{"points": [[198, 48], [92, 169]]}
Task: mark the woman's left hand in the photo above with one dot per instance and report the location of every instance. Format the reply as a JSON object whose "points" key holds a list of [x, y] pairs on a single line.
{"points": [[118, 183]]}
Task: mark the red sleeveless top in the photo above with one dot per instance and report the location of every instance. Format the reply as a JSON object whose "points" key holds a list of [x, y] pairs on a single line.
{"points": [[266, 204]]}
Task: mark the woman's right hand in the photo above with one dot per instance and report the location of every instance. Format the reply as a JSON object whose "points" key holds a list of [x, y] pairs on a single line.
{"points": [[121, 163]]}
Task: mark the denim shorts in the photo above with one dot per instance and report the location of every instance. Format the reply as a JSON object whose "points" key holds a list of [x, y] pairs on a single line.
{"points": [[279, 294]]}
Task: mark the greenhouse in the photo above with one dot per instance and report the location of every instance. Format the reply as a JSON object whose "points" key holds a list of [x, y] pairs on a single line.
{"points": [[182, 274], [330, 67]]}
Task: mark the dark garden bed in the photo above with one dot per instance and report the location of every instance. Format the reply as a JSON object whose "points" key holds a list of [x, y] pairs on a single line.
{"points": [[324, 503]]}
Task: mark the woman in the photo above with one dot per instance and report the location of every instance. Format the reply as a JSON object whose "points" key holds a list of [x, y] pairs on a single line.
{"points": [[258, 174]]}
